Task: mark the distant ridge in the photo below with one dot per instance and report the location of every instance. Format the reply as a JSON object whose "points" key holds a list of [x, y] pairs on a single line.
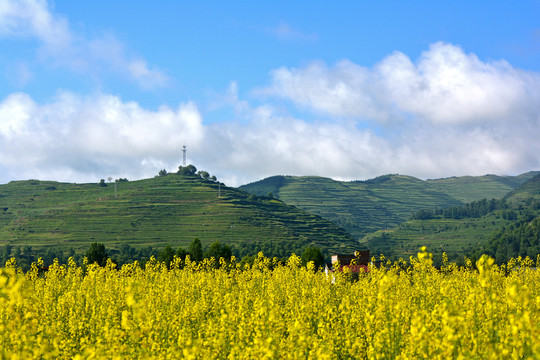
{"points": [[365, 206], [471, 188]]}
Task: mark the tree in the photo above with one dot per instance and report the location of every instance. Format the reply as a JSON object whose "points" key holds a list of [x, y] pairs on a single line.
{"points": [[166, 255], [52, 254], [162, 172], [27, 252], [204, 174], [70, 253], [196, 250], [181, 253], [102, 183], [5, 254], [187, 170], [218, 250], [312, 253], [97, 254]]}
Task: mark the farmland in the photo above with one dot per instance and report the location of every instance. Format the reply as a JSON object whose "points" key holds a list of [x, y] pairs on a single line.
{"points": [[202, 311]]}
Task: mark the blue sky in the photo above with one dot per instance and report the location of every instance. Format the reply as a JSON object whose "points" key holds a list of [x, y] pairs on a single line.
{"points": [[348, 90]]}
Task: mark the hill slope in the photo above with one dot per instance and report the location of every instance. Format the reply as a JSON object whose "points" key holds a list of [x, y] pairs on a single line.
{"points": [[172, 209], [527, 192], [472, 188], [363, 207], [508, 229]]}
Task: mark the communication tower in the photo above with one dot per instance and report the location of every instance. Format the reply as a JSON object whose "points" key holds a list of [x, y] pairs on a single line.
{"points": [[184, 150]]}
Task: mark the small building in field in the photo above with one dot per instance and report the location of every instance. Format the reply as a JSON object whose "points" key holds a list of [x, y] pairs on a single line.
{"points": [[360, 264], [362, 258]]}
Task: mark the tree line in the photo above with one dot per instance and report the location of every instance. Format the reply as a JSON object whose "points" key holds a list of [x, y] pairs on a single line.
{"points": [[520, 238], [98, 253], [475, 209]]}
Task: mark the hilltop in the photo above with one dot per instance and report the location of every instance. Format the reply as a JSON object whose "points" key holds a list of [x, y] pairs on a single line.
{"points": [[171, 209]]}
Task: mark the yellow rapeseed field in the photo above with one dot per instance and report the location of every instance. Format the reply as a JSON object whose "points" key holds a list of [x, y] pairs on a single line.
{"points": [[404, 310]]}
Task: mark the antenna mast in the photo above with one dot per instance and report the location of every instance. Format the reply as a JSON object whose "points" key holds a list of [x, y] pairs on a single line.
{"points": [[184, 150]]}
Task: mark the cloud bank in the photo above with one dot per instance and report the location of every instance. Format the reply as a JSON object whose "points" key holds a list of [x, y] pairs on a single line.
{"points": [[445, 85], [447, 113]]}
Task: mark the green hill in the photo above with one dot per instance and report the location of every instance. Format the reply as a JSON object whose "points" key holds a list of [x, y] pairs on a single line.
{"points": [[363, 207], [508, 228], [456, 237], [171, 209], [527, 192], [521, 236]]}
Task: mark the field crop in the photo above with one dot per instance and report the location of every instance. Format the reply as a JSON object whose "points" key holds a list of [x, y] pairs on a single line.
{"points": [[205, 311]]}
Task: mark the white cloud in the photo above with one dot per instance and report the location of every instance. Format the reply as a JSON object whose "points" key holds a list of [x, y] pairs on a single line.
{"points": [[148, 78], [447, 114], [15, 114], [271, 145], [84, 138], [445, 85], [77, 138], [32, 18], [107, 51], [62, 46], [276, 145], [333, 91]]}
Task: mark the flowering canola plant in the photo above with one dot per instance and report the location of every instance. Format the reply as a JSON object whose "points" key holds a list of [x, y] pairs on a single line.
{"points": [[191, 310]]}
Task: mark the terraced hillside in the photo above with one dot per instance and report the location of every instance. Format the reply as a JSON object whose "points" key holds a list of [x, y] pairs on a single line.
{"points": [[360, 207], [469, 235], [363, 207], [172, 209], [471, 188], [529, 191]]}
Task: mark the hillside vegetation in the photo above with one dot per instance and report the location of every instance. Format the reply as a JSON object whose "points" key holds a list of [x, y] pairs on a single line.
{"points": [[505, 228], [392, 215], [363, 207], [172, 209]]}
